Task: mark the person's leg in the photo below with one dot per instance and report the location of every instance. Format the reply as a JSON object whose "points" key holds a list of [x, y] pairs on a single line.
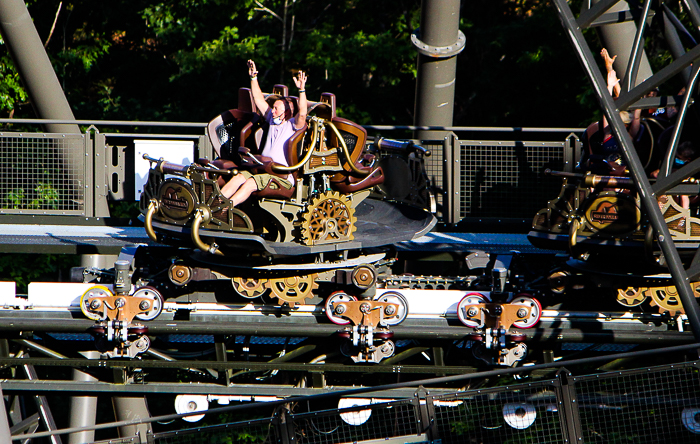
{"points": [[244, 191], [233, 185]]}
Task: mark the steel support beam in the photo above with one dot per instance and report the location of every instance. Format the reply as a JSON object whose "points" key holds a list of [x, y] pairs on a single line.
{"points": [[647, 196], [34, 66]]}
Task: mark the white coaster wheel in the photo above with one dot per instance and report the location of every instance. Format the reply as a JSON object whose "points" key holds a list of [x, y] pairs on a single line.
{"points": [[191, 403], [97, 312], [535, 310], [463, 308], [333, 310], [519, 415], [156, 303], [394, 297]]}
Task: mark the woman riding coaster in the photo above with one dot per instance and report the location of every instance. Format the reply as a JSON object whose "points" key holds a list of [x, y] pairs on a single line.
{"points": [[283, 125]]}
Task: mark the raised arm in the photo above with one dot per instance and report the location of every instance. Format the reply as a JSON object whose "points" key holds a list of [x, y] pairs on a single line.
{"points": [[612, 80], [300, 82], [258, 96]]}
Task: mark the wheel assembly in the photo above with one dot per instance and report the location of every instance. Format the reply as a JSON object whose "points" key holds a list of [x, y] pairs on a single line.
{"points": [[151, 304], [336, 306], [469, 310]]}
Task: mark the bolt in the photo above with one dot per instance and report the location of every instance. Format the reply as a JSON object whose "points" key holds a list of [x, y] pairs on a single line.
{"points": [[340, 309], [389, 310], [144, 305], [522, 313], [119, 303], [472, 312], [365, 307], [95, 304], [180, 273]]}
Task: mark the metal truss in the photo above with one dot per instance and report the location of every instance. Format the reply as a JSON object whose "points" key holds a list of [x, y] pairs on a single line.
{"points": [[632, 97]]}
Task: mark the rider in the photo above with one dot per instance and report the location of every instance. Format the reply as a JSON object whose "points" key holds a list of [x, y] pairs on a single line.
{"points": [[282, 127]]}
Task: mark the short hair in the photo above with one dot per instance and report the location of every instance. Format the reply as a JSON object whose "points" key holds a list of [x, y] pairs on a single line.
{"points": [[687, 151]]}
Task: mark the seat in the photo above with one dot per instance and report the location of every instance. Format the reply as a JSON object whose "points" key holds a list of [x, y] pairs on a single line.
{"points": [[362, 176]]}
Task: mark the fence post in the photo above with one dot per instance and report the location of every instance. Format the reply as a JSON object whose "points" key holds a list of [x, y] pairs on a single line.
{"points": [[451, 179], [568, 408], [425, 410], [283, 422]]}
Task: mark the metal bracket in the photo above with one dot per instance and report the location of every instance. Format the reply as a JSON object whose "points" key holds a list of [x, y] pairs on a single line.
{"points": [[439, 51]]}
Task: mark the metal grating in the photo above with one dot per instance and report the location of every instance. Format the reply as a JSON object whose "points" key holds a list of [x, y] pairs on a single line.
{"points": [[248, 432], [524, 414], [656, 405], [42, 173], [375, 421], [506, 179]]}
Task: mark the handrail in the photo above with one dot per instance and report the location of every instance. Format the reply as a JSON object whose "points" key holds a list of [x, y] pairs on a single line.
{"points": [[344, 146], [507, 129]]}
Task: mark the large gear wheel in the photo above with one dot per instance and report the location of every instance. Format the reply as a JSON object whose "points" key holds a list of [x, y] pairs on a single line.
{"points": [[329, 218], [631, 296], [249, 288], [293, 289], [666, 298]]}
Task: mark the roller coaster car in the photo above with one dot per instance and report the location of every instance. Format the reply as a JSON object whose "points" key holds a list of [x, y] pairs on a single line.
{"points": [[603, 214], [328, 209]]}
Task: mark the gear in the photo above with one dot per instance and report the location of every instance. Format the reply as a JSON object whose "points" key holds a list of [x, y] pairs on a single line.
{"points": [[666, 298], [631, 296], [293, 289], [249, 288], [329, 218]]}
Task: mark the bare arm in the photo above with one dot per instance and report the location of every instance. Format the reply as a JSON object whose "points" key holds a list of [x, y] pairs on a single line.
{"points": [[612, 80], [300, 82], [258, 96]]}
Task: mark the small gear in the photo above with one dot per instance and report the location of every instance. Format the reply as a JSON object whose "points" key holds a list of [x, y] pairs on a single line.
{"points": [[293, 289], [249, 288], [329, 218], [631, 296]]}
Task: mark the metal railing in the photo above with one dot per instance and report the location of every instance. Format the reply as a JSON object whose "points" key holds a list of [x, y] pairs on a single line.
{"points": [[649, 405], [48, 174]]}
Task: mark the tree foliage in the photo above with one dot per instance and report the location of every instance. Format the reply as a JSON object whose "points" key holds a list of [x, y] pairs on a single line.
{"points": [[183, 60]]}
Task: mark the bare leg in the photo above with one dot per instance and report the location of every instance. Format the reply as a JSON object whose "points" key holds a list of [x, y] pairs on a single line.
{"points": [[232, 185], [244, 192]]}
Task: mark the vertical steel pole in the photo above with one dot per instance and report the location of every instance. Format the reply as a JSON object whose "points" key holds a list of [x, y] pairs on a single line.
{"points": [[130, 409], [438, 42], [34, 66], [5, 435], [83, 408]]}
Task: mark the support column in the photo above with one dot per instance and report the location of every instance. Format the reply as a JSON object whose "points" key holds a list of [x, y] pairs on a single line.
{"points": [[438, 42], [132, 409], [5, 435], [83, 408]]}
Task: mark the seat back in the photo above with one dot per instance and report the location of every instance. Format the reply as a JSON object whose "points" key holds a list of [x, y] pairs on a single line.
{"points": [[230, 130], [354, 137]]}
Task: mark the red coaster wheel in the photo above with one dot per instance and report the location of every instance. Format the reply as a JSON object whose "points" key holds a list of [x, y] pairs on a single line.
{"points": [[466, 307], [335, 307], [533, 304]]}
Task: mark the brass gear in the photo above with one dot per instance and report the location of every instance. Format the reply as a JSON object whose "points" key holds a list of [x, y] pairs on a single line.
{"points": [[329, 218], [249, 288], [631, 296], [666, 298], [293, 289]]}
